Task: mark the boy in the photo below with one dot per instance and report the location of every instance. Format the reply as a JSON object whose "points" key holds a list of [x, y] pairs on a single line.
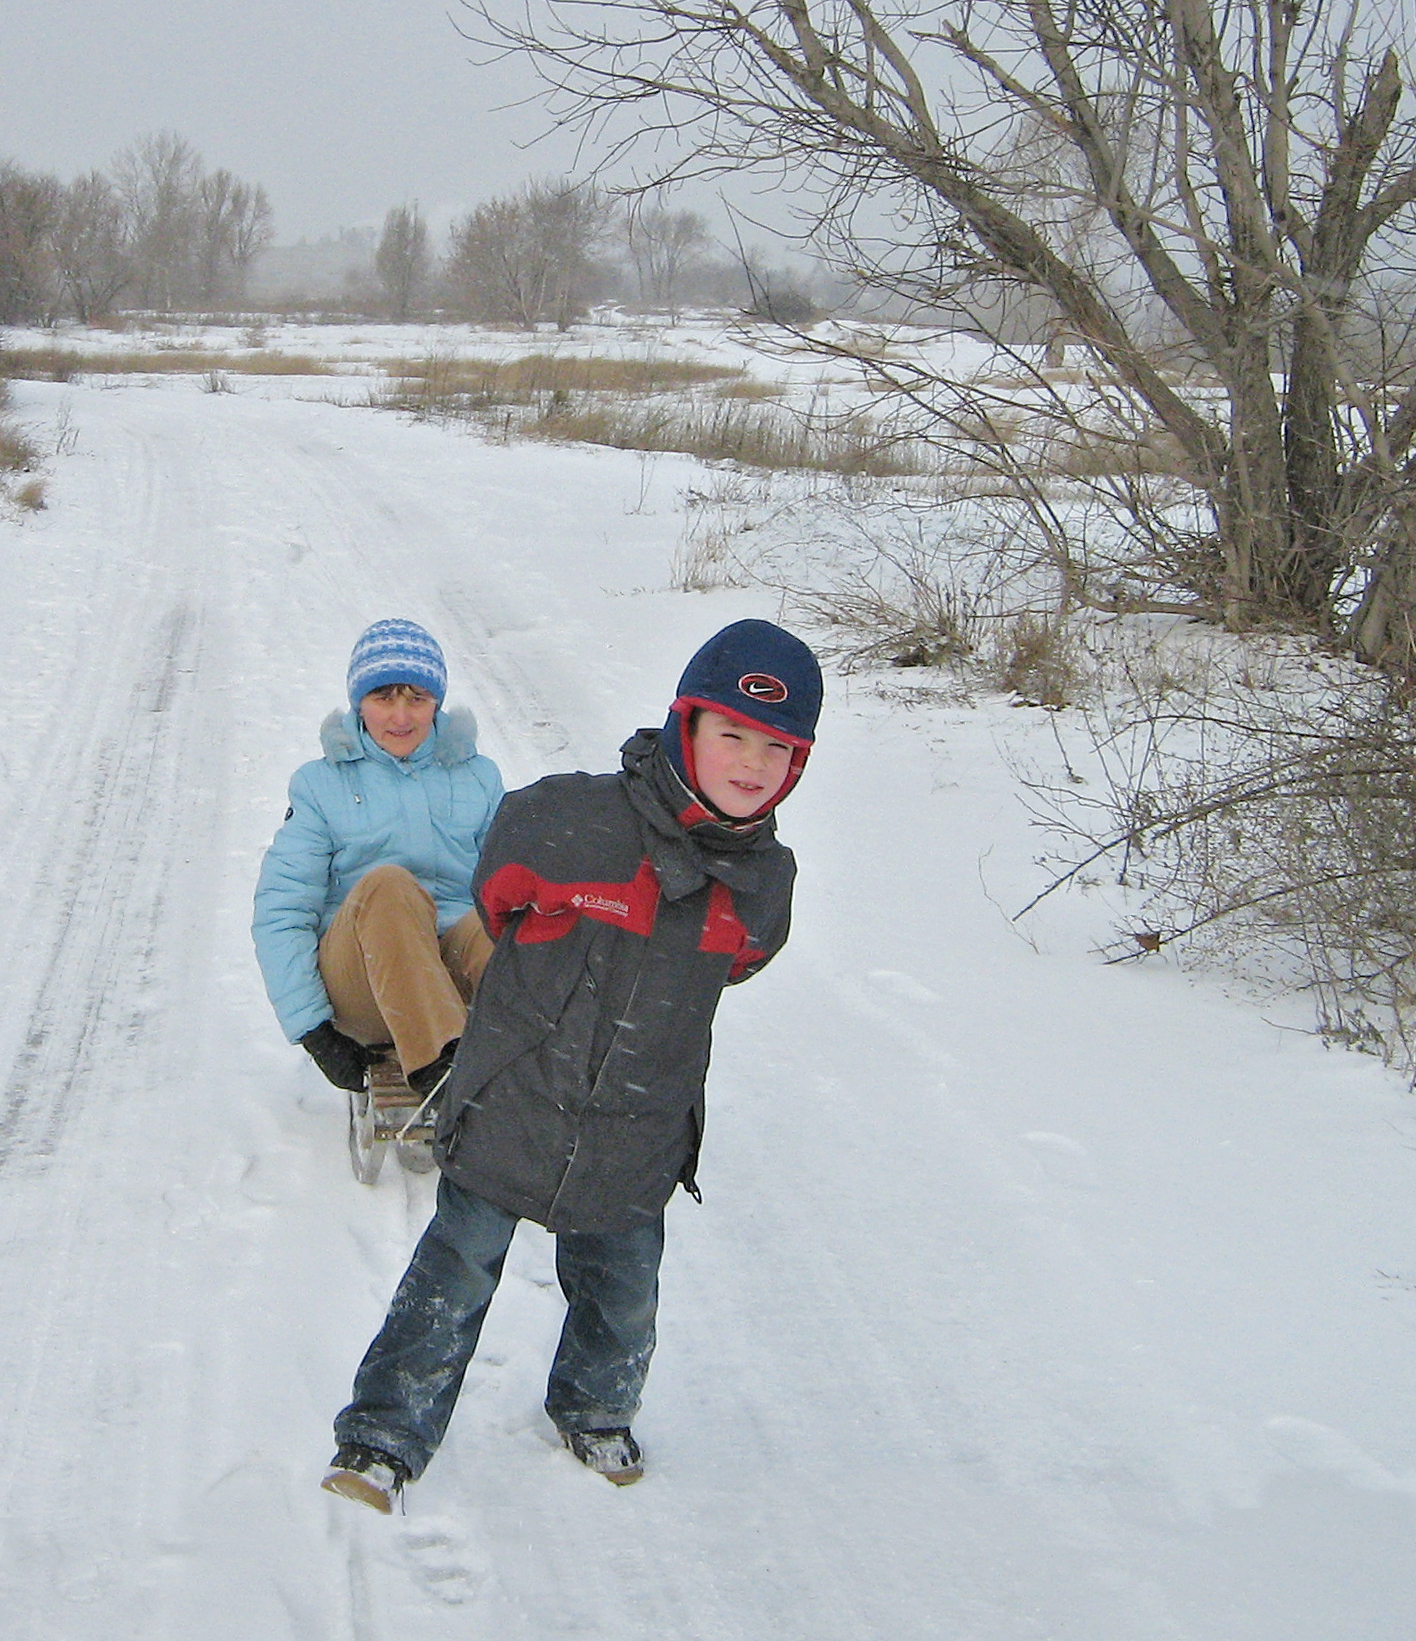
{"points": [[621, 905]]}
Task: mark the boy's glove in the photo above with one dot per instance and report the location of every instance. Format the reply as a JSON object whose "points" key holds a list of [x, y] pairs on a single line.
{"points": [[341, 1059]]}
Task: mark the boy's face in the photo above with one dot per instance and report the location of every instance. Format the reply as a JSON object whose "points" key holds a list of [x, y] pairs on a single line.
{"points": [[739, 769], [398, 718]]}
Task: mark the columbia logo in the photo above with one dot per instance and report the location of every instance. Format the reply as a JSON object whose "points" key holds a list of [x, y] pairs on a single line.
{"points": [[600, 903]]}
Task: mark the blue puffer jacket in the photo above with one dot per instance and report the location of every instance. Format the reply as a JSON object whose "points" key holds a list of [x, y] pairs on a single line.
{"points": [[352, 810]]}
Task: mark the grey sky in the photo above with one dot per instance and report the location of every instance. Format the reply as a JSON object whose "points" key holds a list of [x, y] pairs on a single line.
{"points": [[341, 108]]}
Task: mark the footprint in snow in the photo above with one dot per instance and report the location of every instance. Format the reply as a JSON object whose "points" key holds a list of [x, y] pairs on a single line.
{"points": [[272, 1178], [1314, 1446], [904, 986], [444, 1562], [90, 1581], [1062, 1159], [187, 1210]]}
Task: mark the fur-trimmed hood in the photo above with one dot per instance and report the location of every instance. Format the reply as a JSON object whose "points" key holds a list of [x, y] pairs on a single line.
{"points": [[454, 738]]}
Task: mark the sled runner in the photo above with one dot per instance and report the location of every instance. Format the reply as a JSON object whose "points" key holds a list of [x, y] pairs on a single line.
{"points": [[387, 1112]]}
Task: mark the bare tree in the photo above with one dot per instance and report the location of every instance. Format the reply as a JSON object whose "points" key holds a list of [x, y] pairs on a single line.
{"points": [[402, 262], [1243, 165], [191, 235], [28, 206], [528, 257], [90, 245], [664, 246], [158, 179], [485, 273], [251, 229], [232, 225]]}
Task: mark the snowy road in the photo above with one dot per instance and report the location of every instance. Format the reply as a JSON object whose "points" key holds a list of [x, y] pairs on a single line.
{"points": [[1029, 1300]]}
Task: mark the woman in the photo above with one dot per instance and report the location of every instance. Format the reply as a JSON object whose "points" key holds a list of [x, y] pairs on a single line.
{"points": [[364, 928]]}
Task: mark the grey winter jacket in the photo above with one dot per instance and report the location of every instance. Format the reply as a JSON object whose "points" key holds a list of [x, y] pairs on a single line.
{"points": [[576, 1099]]}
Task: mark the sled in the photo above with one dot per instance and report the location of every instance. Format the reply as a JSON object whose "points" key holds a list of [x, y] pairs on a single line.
{"points": [[386, 1112]]}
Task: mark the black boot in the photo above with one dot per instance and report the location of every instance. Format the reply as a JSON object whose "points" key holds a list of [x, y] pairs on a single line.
{"points": [[427, 1081]]}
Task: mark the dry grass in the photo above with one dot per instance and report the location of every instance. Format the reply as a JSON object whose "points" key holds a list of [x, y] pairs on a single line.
{"points": [[714, 412], [1034, 657], [445, 385], [56, 364], [19, 454], [1026, 378], [729, 430], [753, 391], [18, 451], [1084, 453]]}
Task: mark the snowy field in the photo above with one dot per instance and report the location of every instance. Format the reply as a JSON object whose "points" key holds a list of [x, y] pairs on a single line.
{"points": [[1030, 1299]]}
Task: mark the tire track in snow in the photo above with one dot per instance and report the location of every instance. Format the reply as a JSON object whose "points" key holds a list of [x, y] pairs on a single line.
{"points": [[95, 865], [476, 619], [118, 786]]}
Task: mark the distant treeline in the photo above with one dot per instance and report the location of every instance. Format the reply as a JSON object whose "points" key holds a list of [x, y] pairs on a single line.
{"points": [[553, 249], [159, 232]]}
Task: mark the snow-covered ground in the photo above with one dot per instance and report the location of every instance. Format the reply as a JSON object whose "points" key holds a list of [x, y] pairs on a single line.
{"points": [[1030, 1298]]}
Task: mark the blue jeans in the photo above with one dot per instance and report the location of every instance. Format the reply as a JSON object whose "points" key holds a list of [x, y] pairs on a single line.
{"points": [[408, 1382]]}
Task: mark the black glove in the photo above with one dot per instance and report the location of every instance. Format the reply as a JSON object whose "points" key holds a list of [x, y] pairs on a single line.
{"points": [[341, 1059]]}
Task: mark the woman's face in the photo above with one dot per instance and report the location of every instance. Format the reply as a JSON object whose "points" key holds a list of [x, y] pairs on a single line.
{"points": [[398, 718]]}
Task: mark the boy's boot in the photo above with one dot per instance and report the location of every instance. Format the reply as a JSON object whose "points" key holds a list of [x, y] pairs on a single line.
{"points": [[613, 1454], [366, 1475]]}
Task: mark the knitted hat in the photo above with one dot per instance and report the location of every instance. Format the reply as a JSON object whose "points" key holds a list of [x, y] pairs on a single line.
{"points": [[396, 652], [758, 674]]}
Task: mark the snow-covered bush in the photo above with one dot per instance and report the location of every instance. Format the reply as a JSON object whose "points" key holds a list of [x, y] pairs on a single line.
{"points": [[1260, 807]]}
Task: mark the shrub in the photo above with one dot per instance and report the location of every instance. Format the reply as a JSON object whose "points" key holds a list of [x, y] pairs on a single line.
{"points": [[1264, 817], [1034, 657], [910, 619], [786, 306], [18, 451], [19, 454]]}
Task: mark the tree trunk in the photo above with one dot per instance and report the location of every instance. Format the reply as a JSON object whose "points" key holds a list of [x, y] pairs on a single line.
{"points": [[1382, 632], [1252, 502]]}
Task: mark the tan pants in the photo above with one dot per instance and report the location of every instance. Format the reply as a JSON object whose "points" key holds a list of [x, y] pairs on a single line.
{"points": [[389, 975]]}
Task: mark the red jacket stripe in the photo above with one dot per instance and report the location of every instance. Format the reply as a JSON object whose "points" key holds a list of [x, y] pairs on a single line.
{"points": [[550, 910], [724, 931]]}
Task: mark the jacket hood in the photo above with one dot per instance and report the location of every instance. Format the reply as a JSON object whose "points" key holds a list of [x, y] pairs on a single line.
{"points": [[453, 741]]}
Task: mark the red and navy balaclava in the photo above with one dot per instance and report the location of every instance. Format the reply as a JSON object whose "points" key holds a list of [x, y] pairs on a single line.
{"points": [[760, 675]]}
